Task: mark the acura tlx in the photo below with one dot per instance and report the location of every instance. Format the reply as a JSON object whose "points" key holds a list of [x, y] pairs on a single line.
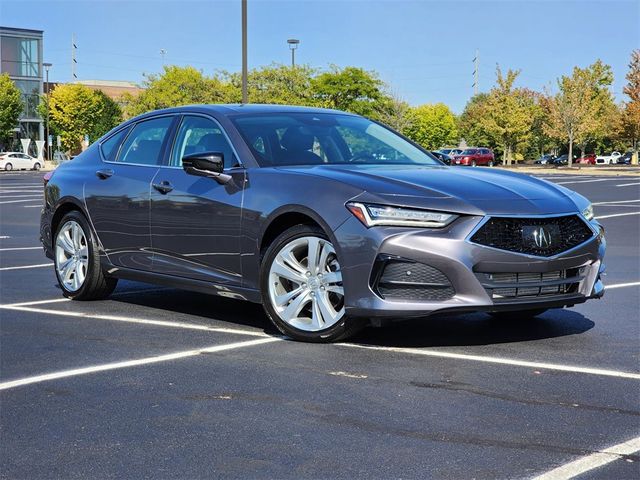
{"points": [[328, 219]]}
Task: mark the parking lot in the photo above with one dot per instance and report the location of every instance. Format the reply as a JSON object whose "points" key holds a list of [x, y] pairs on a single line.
{"points": [[163, 383]]}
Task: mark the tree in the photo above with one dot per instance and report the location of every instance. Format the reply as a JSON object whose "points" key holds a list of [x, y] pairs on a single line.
{"points": [[174, 87], [394, 112], [472, 123], [632, 107], [583, 108], [76, 110], [10, 106], [351, 89], [433, 126]]}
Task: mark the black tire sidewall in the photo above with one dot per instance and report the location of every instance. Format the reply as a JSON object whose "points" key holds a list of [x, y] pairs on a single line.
{"points": [[92, 262], [8, 167], [37, 166], [336, 332]]}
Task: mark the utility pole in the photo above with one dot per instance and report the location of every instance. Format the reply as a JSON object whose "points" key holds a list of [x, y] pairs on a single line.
{"points": [[74, 62], [163, 52], [245, 96], [476, 65]]}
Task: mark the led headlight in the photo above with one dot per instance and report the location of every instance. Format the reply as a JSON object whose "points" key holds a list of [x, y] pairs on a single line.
{"points": [[588, 212], [372, 215]]}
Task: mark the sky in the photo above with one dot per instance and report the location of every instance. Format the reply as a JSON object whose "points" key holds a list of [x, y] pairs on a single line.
{"points": [[423, 50]]}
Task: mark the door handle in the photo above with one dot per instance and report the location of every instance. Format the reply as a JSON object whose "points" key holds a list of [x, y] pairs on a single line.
{"points": [[163, 187], [104, 174]]}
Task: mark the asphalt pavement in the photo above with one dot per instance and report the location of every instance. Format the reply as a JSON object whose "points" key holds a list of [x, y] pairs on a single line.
{"points": [[161, 383]]}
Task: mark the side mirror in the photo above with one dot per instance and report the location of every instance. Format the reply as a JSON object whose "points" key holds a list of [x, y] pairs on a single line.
{"points": [[206, 164]]}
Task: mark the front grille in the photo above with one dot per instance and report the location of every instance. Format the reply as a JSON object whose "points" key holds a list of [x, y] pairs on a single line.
{"points": [[503, 287], [534, 236], [405, 280]]}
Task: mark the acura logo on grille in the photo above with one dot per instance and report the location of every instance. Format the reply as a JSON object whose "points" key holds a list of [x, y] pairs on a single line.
{"points": [[541, 238]]}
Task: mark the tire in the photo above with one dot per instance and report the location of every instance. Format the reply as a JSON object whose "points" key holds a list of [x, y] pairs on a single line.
{"points": [[473, 163], [8, 167], [490, 164], [36, 166], [316, 313], [516, 315], [77, 262]]}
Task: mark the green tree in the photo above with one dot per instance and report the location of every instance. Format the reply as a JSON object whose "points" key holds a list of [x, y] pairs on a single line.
{"points": [[177, 86], [632, 106], [433, 126], [472, 125], [351, 89], [394, 112], [10, 106], [76, 110]]}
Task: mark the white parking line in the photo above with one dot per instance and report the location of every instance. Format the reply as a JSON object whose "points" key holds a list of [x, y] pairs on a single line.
{"points": [[617, 215], [16, 201], [33, 206], [621, 285], [2, 197], [19, 248], [587, 181], [628, 184], [134, 363], [618, 201], [500, 361], [22, 267], [593, 461]]}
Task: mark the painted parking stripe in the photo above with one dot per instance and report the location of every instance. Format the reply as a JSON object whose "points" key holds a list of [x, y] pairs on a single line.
{"points": [[628, 184], [592, 461], [32, 195], [19, 248], [618, 201], [23, 267], [33, 206], [134, 363], [617, 215], [16, 201], [622, 285], [142, 321], [587, 181], [499, 361]]}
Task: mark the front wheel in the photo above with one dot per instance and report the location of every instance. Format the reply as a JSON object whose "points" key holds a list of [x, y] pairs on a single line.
{"points": [[301, 285], [77, 263], [473, 163], [36, 166], [8, 167], [491, 163]]}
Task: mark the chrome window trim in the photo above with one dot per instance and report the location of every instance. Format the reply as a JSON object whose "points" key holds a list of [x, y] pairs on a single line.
{"points": [[486, 218], [209, 117]]}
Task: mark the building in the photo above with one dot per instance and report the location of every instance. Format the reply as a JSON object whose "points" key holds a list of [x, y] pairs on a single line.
{"points": [[21, 58], [112, 88]]}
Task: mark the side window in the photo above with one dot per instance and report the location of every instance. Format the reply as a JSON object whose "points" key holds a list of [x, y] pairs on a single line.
{"points": [[143, 146], [200, 134], [110, 146]]}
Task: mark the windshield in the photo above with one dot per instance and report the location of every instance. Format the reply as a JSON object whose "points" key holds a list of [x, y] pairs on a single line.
{"points": [[470, 151], [324, 138]]}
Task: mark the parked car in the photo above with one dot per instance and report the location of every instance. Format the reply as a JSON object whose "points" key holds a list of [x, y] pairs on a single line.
{"points": [[608, 159], [544, 159], [625, 159], [561, 160], [296, 209], [474, 156], [60, 157], [588, 159], [18, 161], [443, 157]]}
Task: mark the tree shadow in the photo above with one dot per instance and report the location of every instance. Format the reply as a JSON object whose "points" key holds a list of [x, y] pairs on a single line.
{"points": [[471, 329]]}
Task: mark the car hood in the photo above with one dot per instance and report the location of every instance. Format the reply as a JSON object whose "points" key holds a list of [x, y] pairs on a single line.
{"points": [[476, 191]]}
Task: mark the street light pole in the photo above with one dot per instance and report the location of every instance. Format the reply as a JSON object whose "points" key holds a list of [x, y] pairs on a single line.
{"points": [[293, 45], [244, 52], [46, 69]]}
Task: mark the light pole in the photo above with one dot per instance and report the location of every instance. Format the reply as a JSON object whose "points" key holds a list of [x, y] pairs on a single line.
{"points": [[293, 45], [47, 66], [245, 94], [163, 52]]}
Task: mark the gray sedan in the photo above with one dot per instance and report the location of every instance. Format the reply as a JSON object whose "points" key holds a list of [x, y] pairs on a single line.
{"points": [[328, 219]]}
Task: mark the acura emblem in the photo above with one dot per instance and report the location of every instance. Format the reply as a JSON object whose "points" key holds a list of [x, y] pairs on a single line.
{"points": [[541, 238]]}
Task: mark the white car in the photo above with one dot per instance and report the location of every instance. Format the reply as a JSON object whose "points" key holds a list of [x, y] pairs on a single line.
{"points": [[18, 161], [608, 159]]}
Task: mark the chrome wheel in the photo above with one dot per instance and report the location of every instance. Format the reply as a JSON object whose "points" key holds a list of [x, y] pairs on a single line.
{"points": [[305, 284], [72, 256]]}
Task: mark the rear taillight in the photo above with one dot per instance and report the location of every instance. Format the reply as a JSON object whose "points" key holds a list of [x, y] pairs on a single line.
{"points": [[47, 177]]}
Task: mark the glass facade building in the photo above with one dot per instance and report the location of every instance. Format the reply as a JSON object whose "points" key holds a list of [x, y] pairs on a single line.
{"points": [[21, 59]]}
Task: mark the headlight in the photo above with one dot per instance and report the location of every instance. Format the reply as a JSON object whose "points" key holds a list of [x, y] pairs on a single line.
{"points": [[588, 212], [372, 215]]}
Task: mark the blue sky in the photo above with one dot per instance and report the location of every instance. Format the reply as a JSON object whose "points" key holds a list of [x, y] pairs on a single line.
{"points": [[422, 49]]}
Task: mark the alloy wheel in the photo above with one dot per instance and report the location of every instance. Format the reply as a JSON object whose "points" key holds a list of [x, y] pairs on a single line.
{"points": [[305, 284], [72, 256]]}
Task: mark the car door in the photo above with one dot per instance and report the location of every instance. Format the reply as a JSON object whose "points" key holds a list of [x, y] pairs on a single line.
{"points": [[195, 221], [118, 196]]}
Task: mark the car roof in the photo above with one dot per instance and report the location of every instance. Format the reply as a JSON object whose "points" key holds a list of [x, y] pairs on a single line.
{"points": [[238, 109]]}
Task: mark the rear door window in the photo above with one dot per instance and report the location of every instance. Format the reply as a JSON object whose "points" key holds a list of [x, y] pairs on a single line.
{"points": [[109, 147], [144, 144]]}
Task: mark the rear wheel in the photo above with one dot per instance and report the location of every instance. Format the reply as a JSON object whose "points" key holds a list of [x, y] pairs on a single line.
{"points": [[36, 166], [301, 284], [518, 315], [77, 263], [473, 163], [8, 167], [491, 163]]}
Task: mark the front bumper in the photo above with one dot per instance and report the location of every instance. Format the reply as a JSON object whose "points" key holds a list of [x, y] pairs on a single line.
{"points": [[466, 265]]}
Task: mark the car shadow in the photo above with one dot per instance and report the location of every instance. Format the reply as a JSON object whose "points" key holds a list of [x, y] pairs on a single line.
{"points": [[437, 331]]}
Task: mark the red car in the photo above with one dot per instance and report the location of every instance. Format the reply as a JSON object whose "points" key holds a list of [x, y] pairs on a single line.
{"points": [[589, 159], [474, 156]]}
